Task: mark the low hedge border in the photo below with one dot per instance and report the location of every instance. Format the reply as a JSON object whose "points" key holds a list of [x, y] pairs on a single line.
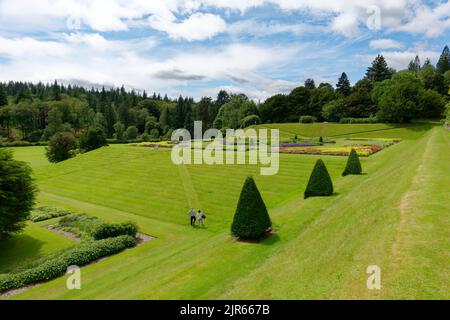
{"points": [[81, 255], [109, 230]]}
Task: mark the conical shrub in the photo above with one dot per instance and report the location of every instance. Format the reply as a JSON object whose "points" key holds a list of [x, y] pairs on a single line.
{"points": [[320, 183], [251, 219], [353, 164]]}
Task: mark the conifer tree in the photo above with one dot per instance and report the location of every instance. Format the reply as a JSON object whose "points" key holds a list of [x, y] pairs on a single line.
{"points": [[343, 86], [379, 70], [353, 164], [3, 97], [251, 219], [319, 183], [443, 64]]}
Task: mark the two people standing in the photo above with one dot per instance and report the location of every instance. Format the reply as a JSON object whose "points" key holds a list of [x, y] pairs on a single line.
{"points": [[200, 216]]}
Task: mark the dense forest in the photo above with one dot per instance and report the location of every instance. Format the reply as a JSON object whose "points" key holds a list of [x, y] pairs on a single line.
{"points": [[36, 112]]}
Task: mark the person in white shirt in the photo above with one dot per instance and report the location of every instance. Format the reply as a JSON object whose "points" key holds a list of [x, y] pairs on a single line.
{"points": [[201, 218], [192, 215]]}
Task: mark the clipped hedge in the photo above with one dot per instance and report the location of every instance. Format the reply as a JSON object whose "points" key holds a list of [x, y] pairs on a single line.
{"points": [[81, 255], [21, 144], [359, 120], [308, 119], [319, 183], [251, 219], [110, 230], [353, 164]]}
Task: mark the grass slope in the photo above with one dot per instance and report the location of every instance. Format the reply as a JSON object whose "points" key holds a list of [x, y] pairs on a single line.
{"points": [[322, 247]]}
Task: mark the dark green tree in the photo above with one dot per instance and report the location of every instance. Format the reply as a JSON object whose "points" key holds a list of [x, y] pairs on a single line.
{"points": [[310, 84], [251, 219], [319, 183], [443, 64], [343, 86], [92, 139], [62, 146], [353, 164], [379, 70], [3, 97], [414, 65], [17, 194]]}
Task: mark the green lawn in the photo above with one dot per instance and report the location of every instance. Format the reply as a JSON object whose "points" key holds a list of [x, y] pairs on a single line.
{"points": [[395, 216]]}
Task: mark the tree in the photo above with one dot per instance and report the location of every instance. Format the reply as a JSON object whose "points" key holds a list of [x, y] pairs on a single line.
{"points": [[404, 98], [299, 104], [251, 219], [92, 139], [353, 164], [131, 133], [334, 110], [17, 194], [443, 64], [343, 86], [62, 146], [3, 97], [414, 65], [119, 130], [319, 183], [379, 70], [310, 84]]}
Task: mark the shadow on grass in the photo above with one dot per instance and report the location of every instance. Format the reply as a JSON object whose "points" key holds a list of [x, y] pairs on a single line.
{"points": [[17, 251]]}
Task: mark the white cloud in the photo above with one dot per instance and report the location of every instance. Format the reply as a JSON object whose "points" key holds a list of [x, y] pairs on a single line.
{"points": [[385, 44], [91, 58], [346, 17], [432, 22], [199, 26]]}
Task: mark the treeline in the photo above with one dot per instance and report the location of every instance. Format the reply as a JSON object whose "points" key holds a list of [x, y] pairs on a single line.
{"points": [[36, 112]]}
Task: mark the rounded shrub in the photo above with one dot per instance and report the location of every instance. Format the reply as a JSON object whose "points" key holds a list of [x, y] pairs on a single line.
{"points": [[353, 164], [251, 219], [320, 183], [308, 119]]}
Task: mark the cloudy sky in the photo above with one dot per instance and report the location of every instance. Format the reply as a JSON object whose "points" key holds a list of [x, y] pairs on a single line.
{"points": [[196, 47]]}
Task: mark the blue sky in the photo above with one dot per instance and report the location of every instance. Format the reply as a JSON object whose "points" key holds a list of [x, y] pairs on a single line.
{"points": [[197, 47]]}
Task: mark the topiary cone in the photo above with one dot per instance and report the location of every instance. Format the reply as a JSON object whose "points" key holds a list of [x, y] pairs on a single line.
{"points": [[251, 219], [353, 164], [320, 183]]}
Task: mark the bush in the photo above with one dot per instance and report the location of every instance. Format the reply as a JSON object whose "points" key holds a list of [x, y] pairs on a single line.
{"points": [[46, 213], [110, 230], [353, 164], [131, 133], [92, 139], [81, 255], [251, 219], [62, 146], [308, 119], [359, 120], [17, 194], [250, 121], [320, 183]]}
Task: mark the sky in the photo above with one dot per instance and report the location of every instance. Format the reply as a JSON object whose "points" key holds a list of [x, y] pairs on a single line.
{"points": [[198, 47]]}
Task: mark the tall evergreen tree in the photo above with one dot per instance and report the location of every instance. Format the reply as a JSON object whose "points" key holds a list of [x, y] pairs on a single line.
{"points": [[414, 65], [251, 219], [379, 70], [443, 64], [310, 84], [343, 86], [3, 97], [179, 113], [56, 91]]}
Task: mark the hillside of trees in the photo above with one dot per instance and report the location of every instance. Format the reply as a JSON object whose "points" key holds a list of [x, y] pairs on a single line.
{"points": [[36, 112]]}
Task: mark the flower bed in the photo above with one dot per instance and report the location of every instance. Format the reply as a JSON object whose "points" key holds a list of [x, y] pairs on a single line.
{"points": [[156, 145], [361, 150]]}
